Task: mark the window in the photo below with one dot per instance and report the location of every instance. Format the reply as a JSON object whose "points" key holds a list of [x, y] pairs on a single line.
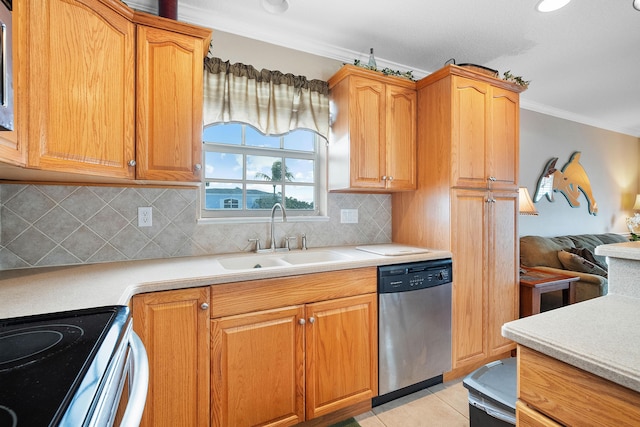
{"points": [[246, 172]]}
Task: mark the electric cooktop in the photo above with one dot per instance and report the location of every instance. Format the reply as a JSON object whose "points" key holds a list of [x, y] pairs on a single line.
{"points": [[51, 365]]}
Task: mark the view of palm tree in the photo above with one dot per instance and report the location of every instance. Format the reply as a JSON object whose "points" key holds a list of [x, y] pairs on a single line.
{"points": [[276, 176]]}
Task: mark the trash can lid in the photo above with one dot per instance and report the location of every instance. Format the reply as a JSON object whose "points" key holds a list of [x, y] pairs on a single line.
{"points": [[495, 380]]}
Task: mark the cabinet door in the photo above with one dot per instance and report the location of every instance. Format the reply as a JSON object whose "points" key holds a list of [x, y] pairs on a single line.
{"points": [[469, 236], [341, 353], [367, 133], [174, 328], [503, 151], [169, 105], [502, 268], [81, 87], [257, 368], [470, 132], [400, 138]]}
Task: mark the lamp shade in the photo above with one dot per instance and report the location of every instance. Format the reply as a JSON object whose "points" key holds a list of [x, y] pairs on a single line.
{"points": [[526, 204], [636, 205]]}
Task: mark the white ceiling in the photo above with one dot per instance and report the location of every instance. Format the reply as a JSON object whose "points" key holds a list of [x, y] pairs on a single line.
{"points": [[583, 60]]}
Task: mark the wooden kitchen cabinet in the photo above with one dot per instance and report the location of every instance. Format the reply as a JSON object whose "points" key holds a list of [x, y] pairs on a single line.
{"points": [[278, 359], [174, 327], [169, 99], [372, 143], [553, 393], [81, 87], [113, 93], [485, 127], [457, 207], [484, 272]]}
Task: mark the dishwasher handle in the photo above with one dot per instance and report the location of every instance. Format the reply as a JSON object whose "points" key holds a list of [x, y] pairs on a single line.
{"points": [[139, 372]]}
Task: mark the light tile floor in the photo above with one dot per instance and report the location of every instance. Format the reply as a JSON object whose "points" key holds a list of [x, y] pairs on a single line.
{"points": [[445, 405]]}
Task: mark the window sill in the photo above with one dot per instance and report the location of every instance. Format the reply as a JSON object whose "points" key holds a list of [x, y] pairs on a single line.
{"points": [[256, 220]]}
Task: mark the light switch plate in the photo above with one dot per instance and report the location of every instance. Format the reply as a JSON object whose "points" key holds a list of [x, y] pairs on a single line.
{"points": [[145, 216], [349, 216]]}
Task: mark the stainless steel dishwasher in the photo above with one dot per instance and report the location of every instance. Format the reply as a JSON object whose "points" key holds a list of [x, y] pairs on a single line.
{"points": [[414, 327]]}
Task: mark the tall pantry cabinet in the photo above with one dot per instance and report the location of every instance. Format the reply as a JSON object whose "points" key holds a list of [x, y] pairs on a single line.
{"points": [[466, 202]]}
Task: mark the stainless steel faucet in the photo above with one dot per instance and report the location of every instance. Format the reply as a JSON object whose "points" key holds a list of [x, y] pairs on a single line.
{"points": [[284, 219]]}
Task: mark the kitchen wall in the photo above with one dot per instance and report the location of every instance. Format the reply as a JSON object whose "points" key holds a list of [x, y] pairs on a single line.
{"points": [[47, 225], [610, 159]]}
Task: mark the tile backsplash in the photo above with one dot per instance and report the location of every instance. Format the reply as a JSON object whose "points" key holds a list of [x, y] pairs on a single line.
{"points": [[53, 225]]}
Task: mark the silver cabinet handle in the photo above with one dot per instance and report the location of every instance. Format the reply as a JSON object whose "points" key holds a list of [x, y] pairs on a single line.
{"points": [[312, 319], [131, 163], [384, 177], [204, 306], [390, 178], [302, 321], [197, 166], [492, 178]]}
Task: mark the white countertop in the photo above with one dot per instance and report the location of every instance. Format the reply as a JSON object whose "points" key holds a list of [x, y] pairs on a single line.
{"points": [[627, 250], [600, 335], [51, 289]]}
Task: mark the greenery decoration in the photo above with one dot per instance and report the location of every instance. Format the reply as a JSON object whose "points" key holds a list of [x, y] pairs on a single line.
{"points": [[386, 71], [515, 79]]}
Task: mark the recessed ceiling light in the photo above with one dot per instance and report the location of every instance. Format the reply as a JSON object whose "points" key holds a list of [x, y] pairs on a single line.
{"points": [[636, 4], [551, 5], [275, 6]]}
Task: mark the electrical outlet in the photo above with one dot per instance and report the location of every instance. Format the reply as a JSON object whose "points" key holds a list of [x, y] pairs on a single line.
{"points": [[349, 216], [145, 216]]}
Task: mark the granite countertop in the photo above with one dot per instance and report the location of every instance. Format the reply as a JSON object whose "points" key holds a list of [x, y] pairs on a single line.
{"points": [[51, 289], [601, 335]]}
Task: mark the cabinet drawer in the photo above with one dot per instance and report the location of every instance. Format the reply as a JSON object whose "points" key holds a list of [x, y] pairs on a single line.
{"points": [[244, 297], [572, 396]]}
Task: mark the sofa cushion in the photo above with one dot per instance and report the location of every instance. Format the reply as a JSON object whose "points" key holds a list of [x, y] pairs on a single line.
{"points": [[589, 256], [574, 262], [537, 250], [590, 241]]}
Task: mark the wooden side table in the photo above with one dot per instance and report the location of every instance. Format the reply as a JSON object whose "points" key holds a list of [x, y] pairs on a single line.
{"points": [[534, 283]]}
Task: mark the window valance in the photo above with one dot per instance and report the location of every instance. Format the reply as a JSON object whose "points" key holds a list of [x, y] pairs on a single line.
{"points": [[273, 102]]}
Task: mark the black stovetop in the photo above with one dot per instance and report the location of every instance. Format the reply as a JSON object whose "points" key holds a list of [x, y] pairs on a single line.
{"points": [[51, 365]]}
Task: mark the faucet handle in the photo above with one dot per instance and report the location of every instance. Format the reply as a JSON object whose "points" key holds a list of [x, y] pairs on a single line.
{"points": [[304, 242], [257, 240], [287, 241]]}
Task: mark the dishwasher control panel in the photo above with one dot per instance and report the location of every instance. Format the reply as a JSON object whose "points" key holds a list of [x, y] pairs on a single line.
{"points": [[414, 276]]}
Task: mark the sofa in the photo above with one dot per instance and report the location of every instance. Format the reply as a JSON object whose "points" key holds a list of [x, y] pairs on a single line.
{"points": [[572, 255]]}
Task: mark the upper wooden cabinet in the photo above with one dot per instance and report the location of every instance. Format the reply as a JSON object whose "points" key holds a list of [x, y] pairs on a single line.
{"points": [[372, 143], [484, 134], [169, 99], [81, 87], [112, 92]]}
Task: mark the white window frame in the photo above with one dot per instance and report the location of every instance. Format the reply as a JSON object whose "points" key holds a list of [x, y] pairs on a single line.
{"points": [[262, 215]]}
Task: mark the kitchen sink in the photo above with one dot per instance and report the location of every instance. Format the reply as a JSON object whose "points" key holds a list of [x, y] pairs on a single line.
{"points": [[312, 257], [251, 261]]}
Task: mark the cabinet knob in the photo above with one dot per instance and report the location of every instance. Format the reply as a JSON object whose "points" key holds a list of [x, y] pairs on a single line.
{"points": [[131, 163], [390, 178], [384, 177], [197, 166], [312, 319], [492, 178], [204, 306], [302, 321]]}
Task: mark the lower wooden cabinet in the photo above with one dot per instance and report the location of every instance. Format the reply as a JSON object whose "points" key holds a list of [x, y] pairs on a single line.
{"points": [[174, 327], [552, 393], [272, 352], [295, 361]]}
